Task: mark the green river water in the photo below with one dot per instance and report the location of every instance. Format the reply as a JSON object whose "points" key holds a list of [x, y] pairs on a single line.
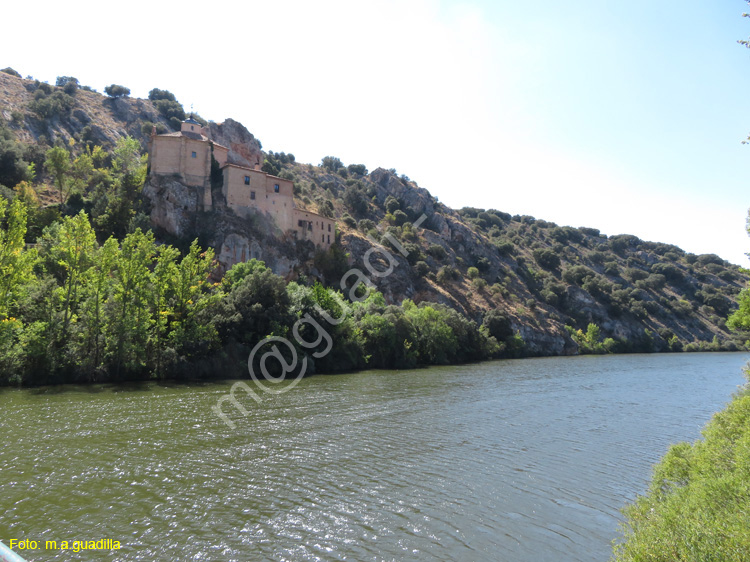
{"points": [[523, 460]]}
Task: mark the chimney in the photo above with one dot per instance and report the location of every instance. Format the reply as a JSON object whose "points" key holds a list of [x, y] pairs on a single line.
{"points": [[257, 165]]}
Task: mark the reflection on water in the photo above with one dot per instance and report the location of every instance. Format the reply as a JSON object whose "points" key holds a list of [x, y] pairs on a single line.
{"points": [[513, 460]]}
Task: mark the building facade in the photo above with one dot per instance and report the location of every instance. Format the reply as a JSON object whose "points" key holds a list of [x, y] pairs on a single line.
{"points": [[187, 156]]}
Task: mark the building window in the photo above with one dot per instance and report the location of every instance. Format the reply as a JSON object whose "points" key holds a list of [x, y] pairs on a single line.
{"points": [[322, 237], [329, 238], [329, 227], [276, 188], [309, 226], [252, 195], [247, 180], [301, 223], [194, 155], [322, 226], [192, 128]]}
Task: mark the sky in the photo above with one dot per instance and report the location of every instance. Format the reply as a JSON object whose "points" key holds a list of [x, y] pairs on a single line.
{"points": [[627, 117]]}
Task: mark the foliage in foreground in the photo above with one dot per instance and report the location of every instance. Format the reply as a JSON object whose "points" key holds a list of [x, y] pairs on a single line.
{"points": [[697, 506], [72, 310]]}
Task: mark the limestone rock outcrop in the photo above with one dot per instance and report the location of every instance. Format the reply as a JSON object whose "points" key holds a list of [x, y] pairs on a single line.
{"points": [[244, 148]]}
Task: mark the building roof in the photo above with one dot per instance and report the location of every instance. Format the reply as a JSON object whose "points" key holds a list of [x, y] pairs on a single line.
{"points": [[233, 165], [191, 121], [193, 136], [317, 215], [241, 167]]}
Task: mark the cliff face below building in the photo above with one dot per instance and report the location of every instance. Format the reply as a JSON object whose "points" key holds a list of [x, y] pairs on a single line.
{"points": [[544, 277]]}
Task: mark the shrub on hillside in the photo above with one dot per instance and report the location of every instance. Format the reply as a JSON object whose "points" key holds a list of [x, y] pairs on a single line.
{"points": [[355, 200], [437, 251], [577, 274], [422, 268], [157, 94], [172, 111], [48, 106], [673, 273], [365, 225], [612, 268], [331, 163], [547, 259], [705, 259], [357, 169], [116, 91], [447, 273]]}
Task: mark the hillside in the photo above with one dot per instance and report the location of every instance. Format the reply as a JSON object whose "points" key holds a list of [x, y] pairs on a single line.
{"points": [[548, 281]]}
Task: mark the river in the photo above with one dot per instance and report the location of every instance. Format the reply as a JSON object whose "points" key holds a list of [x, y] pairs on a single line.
{"points": [[520, 460]]}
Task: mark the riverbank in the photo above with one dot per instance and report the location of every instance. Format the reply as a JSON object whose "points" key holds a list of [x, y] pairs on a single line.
{"points": [[696, 506], [230, 367]]}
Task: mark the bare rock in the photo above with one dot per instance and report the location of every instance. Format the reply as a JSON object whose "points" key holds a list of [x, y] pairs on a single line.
{"points": [[244, 148], [173, 205]]}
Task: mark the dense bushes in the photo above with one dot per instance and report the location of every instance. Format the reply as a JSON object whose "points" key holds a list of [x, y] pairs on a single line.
{"points": [[355, 200], [13, 168], [696, 507], [547, 259], [577, 275], [172, 111], [116, 91], [168, 107], [331, 163], [47, 105], [77, 311]]}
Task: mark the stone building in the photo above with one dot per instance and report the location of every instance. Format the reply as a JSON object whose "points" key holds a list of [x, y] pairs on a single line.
{"points": [[188, 155]]}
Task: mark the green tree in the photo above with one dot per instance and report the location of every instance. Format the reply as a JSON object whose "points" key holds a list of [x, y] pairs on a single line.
{"points": [[391, 204], [82, 171], [13, 168], [58, 165], [435, 341], [547, 258], [16, 264], [256, 306], [163, 281], [331, 163], [590, 340], [357, 169], [63, 80], [116, 91], [193, 300], [128, 311], [73, 251], [97, 290], [355, 200], [157, 94], [118, 198]]}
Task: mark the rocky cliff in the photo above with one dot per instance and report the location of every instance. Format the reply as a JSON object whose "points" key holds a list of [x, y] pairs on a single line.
{"points": [[547, 279]]}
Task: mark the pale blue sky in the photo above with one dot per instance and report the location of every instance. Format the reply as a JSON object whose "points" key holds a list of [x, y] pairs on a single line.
{"points": [[627, 117]]}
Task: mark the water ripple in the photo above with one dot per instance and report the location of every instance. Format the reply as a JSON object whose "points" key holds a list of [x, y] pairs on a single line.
{"points": [[513, 460]]}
